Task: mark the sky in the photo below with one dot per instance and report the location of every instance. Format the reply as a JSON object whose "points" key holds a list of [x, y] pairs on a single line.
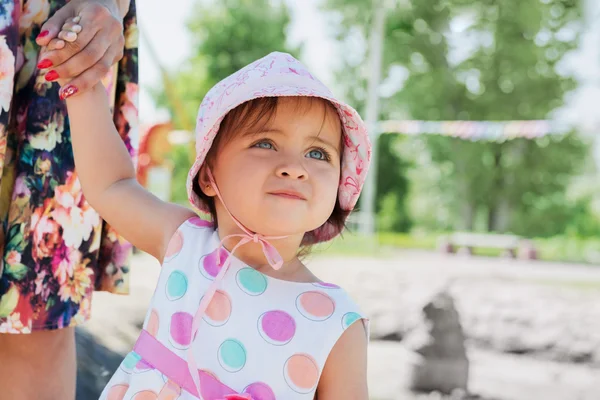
{"points": [[165, 28]]}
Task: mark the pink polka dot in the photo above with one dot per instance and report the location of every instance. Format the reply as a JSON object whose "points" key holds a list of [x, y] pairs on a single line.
{"points": [[152, 326], [277, 327], [316, 306], [301, 373], [145, 395], [181, 329], [209, 266], [219, 309], [175, 245], [142, 366], [260, 391], [117, 392], [198, 222]]}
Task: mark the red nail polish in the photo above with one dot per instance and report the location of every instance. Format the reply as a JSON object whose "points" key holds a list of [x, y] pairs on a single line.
{"points": [[43, 34], [44, 64], [67, 91], [51, 76]]}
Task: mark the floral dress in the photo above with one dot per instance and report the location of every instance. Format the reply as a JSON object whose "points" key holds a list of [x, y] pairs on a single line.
{"points": [[56, 249]]}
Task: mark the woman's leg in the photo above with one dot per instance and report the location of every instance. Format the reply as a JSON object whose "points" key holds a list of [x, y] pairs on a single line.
{"points": [[38, 366]]}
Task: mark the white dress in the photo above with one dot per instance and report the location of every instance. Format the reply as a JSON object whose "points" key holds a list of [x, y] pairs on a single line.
{"points": [[261, 338]]}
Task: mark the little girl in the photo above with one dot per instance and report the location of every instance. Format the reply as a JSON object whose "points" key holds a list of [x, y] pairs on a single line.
{"points": [[236, 315]]}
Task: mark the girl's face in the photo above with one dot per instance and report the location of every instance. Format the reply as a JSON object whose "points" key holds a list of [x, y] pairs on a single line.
{"points": [[282, 178]]}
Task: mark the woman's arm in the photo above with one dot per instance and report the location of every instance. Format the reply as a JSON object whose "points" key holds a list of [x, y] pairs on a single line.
{"points": [[345, 373], [108, 177]]}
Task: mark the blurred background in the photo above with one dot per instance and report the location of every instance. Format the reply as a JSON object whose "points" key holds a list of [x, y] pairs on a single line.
{"points": [[476, 246]]}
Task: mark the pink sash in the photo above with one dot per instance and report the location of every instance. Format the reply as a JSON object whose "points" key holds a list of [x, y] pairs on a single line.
{"points": [[158, 356]]}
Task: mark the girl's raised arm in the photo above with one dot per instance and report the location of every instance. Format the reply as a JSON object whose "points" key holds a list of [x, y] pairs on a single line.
{"points": [[108, 177]]}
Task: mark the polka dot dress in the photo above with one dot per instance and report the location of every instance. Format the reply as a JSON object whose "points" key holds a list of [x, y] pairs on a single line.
{"points": [[260, 337]]}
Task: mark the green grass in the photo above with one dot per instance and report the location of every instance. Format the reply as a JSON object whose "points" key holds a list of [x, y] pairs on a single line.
{"points": [[565, 249], [383, 245], [354, 246]]}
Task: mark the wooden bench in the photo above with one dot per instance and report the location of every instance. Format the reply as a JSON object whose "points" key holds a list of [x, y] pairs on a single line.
{"points": [[465, 242]]}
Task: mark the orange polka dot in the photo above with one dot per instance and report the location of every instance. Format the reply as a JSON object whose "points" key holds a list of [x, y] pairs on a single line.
{"points": [[146, 395], [316, 304], [152, 326], [117, 392], [175, 244], [219, 308], [302, 372], [171, 391]]}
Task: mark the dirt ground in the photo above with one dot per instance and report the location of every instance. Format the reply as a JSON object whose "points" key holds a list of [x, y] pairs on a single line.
{"points": [[387, 289]]}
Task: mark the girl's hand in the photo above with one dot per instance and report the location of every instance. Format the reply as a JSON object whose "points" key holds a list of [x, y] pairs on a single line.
{"points": [[84, 39]]}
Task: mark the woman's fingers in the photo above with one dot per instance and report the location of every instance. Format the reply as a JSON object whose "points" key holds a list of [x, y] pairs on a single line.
{"points": [[55, 44], [83, 52], [86, 39], [90, 77], [73, 44], [94, 54], [51, 27]]}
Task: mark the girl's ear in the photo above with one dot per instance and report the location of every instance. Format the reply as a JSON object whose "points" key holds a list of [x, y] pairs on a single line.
{"points": [[204, 182]]}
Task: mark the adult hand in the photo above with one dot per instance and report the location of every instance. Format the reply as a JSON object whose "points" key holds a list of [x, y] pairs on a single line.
{"points": [[83, 58]]}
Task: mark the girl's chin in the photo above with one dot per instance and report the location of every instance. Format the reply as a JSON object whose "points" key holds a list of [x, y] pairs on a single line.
{"points": [[274, 228]]}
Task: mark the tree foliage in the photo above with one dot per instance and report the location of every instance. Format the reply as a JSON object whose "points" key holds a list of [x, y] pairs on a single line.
{"points": [[486, 60]]}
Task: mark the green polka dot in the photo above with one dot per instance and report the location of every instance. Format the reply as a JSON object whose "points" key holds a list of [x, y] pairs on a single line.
{"points": [[131, 360], [232, 355], [251, 281], [349, 318], [176, 285]]}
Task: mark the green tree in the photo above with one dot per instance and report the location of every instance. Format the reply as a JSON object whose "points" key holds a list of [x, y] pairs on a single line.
{"points": [[226, 35], [392, 180], [505, 66], [392, 186]]}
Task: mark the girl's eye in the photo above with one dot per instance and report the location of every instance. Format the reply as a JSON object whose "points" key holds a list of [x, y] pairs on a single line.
{"points": [[318, 154], [264, 145]]}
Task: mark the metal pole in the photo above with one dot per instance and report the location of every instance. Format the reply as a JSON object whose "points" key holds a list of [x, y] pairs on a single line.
{"points": [[592, 13], [372, 111]]}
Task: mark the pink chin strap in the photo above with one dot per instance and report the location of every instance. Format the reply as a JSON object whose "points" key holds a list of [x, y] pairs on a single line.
{"points": [[271, 254]]}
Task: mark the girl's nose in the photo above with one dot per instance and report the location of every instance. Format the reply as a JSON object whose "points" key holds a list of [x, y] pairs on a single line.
{"points": [[292, 170]]}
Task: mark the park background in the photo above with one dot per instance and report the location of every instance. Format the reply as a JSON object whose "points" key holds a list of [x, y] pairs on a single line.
{"points": [[493, 150]]}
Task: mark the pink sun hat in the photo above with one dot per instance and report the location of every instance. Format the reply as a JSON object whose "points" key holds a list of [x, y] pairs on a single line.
{"points": [[280, 75]]}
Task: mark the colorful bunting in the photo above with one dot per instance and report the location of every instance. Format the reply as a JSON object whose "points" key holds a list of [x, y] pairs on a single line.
{"points": [[476, 130]]}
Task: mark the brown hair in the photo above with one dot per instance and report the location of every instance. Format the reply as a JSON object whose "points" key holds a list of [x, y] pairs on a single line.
{"points": [[253, 115]]}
